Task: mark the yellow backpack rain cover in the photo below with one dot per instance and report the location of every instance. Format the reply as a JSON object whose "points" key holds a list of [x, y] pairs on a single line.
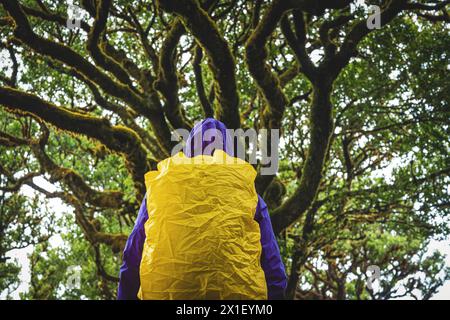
{"points": [[202, 241]]}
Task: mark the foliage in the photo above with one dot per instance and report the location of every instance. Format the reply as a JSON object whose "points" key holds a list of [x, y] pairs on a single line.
{"points": [[364, 164]]}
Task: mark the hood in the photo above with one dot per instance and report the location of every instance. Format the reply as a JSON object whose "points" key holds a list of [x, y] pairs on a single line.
{"points": [[207, 136]]}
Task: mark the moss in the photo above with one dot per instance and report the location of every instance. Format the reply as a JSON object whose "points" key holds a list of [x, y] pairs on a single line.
{"points": [[321, 129], [116, 138], [255, 58], [167, 82], [96, 51], [221, 60]]}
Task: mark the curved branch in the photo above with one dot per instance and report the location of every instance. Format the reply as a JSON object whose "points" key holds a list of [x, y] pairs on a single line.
{"points": [[90, 230], [100, 268], [13, 184], [94, 38], [119, 139], [321, 128], [103, 199], [256, 55], [126, 114], [143, 77], [8, 140], [71, 58], [204, 100], [205, 31], [297, 42], [321, 123], [147, 106], [167, 82], [348, 48]]}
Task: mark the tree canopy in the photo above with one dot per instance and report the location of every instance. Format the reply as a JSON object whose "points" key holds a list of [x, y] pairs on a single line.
{"points": [[363, 114]]}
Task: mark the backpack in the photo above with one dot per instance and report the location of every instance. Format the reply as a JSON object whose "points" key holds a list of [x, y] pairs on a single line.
{"points": [[202, 241]]}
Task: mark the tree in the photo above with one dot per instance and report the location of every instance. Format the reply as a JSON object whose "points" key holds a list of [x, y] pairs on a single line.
{"points": [[363, 113]]}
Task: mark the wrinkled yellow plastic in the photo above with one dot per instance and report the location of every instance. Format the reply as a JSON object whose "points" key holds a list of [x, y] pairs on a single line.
{"points": [[202, 241]]}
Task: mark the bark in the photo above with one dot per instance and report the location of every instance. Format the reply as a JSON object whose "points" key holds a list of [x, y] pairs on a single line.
{"points": [[222, 63], [117, 138]]}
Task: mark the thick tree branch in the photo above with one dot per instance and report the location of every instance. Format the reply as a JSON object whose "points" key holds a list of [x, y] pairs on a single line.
{"points": [[94, 38], [321, 128], [256, 55], [147, 105], [116, 138], [203, 28], [120, 56], [321, 124], [90, 230], [199, 84], [102, 199], [348, 48], [69, 57], [167, 82], [126, 114], [297, 42]]}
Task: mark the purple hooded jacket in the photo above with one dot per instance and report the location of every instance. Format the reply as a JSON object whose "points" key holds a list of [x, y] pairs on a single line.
{"points": [[129, 281]]}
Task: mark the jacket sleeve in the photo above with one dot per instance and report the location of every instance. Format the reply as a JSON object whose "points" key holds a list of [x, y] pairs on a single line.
{"points": [[129, 281], [270, 258]]}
